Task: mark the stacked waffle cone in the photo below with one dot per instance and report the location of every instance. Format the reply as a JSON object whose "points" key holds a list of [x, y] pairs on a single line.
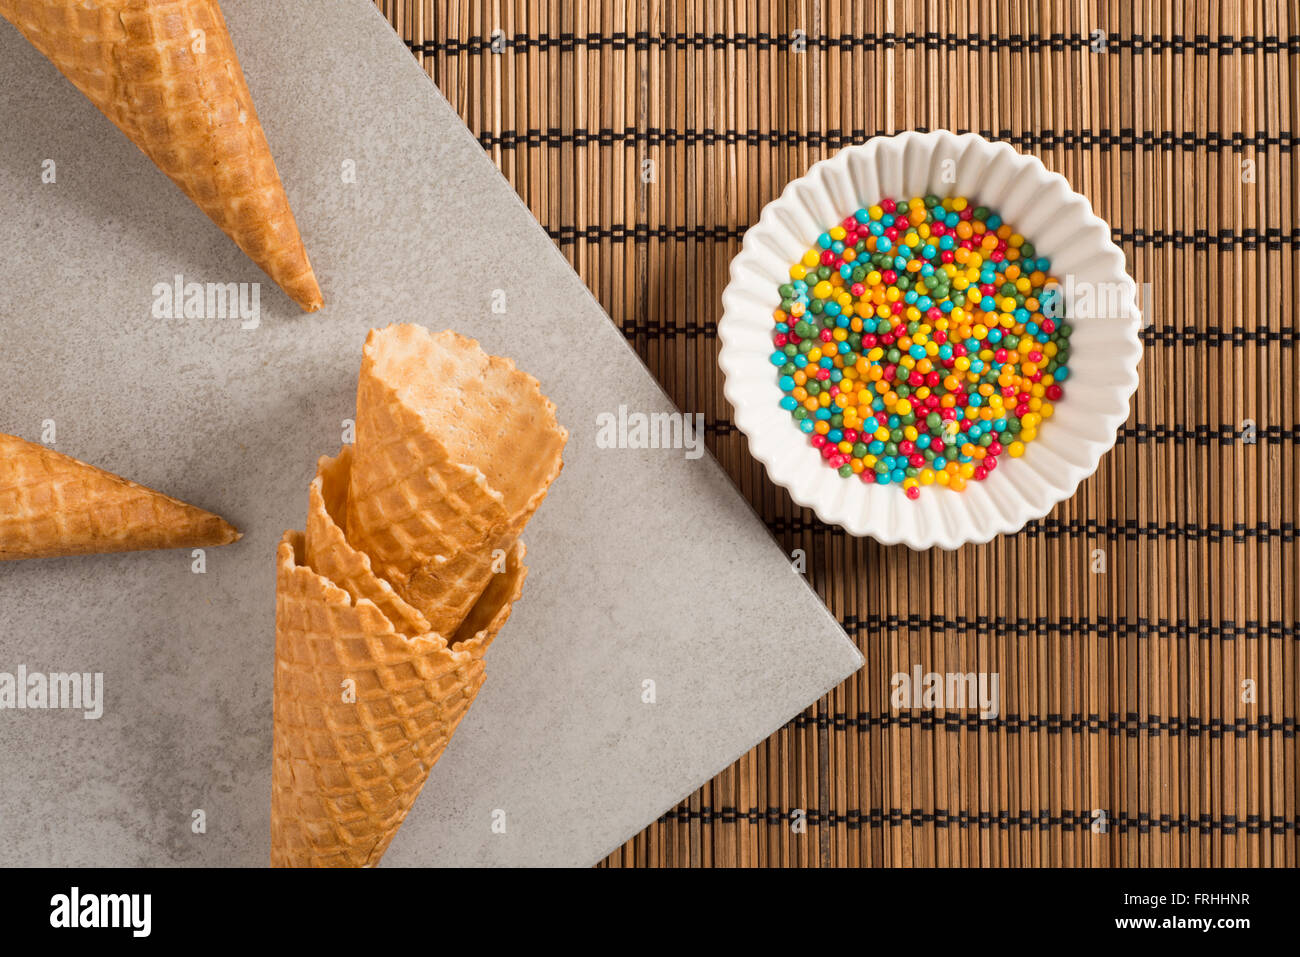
{"points": [[165, 72], [409, 566]]}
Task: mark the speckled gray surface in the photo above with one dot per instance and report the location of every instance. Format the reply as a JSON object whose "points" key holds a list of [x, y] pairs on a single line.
{"points": [[645, 565]]}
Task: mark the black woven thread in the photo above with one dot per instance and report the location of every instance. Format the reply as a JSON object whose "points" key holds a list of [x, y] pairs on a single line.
{"points": [[1124, 140], [1129, 530], [1024, 821], [1203, 435], [1180, 629], [1114, 725], [1199, 44], [1285, 336], [1273, 237]]}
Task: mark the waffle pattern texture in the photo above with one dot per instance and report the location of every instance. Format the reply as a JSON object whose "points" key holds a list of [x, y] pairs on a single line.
{"points": [[372, 677], [455, 451], [165, 71], [51, 505]]}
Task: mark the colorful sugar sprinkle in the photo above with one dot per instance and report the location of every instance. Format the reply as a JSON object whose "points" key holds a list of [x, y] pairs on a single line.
{"points": [[919, 341]]}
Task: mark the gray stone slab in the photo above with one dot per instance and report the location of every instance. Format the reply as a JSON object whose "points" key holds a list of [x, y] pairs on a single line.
{"points": [[645, 564]]}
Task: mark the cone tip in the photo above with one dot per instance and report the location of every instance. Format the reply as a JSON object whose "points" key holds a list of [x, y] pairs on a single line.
{"points": [[308, 295]]}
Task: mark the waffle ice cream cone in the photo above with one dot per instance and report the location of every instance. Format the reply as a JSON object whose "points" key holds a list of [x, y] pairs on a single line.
{"points": [[361, 713], [329, 553], [408, 569], [165, 72], [51, 505], [493, 607], [455, 451]]}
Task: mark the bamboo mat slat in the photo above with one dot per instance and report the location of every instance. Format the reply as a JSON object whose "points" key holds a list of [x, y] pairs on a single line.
{"points": [[1145, 632]]}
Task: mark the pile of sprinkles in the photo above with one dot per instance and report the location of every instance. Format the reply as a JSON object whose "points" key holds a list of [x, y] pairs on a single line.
{"points": [[918, 342]]}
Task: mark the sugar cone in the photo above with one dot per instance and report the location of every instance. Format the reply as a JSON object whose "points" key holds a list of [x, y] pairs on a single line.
{"points": [[455, 451], [53, 505], [346, 772], [165, 71]]}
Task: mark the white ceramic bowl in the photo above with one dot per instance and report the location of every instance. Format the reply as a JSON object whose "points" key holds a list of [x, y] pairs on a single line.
{"points": [[1100, 304]]}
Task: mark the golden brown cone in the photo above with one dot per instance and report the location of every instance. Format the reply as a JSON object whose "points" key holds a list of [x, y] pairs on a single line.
{"points": [[455, 451], [345, 773], [492, 609], [182, 98], [51, 505], [330, 555]]}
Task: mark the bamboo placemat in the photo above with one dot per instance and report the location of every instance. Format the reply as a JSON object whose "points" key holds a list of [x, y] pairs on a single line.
{"points": [[1145, 632]]}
